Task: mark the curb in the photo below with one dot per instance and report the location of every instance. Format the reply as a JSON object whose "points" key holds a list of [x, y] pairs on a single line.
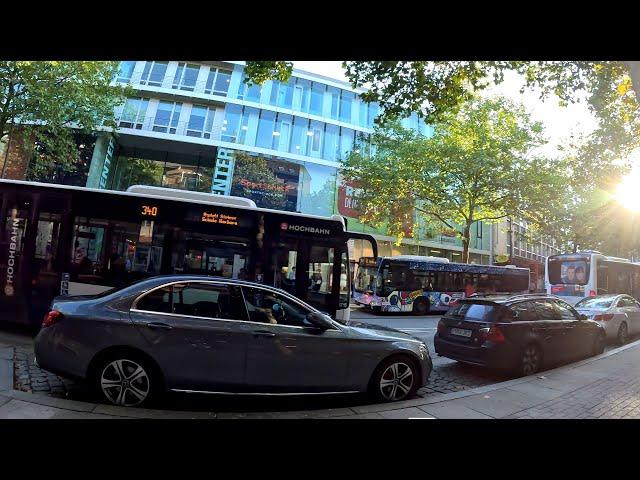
{"points": [[109, 411]]}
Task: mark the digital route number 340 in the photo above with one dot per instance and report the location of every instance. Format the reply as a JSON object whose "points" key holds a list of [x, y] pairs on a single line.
{"points": [[148, 211]]}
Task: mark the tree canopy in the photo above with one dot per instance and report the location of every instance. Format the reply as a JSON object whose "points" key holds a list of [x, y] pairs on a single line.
{"points": [[473, 168], [47, 97]]}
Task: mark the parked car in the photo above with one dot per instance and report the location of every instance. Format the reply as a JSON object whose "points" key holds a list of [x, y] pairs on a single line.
{"points": [[618, 314], [187, 333], [521, 333]]}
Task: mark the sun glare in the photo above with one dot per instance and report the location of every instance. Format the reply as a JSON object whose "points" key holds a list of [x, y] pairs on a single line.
{"points": [[628, 192]]}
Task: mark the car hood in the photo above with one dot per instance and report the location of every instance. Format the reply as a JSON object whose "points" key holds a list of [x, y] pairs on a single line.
{"points": [[380, 332]]}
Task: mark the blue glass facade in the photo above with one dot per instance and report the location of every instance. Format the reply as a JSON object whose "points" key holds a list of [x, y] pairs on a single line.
{"points": [[300, 129]]}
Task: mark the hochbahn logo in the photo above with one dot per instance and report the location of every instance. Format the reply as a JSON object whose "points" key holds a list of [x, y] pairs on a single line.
{"points": [[302, 228], [13, 240]]}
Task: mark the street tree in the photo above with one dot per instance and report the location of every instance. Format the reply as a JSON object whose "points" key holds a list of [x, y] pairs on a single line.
{"points": [[48, 100], [473, 168]]}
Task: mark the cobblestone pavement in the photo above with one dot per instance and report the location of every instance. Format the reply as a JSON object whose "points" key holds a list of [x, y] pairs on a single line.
{"points": [[447, 376]]}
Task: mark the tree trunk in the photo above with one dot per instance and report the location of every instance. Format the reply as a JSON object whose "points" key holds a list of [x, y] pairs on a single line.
{"points": [[465, 244]]}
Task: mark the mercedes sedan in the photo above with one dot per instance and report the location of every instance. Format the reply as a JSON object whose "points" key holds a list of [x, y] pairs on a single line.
{"points": [[216, 335]]}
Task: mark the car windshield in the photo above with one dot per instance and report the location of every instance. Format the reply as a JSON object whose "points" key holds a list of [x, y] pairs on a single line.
{"points": [[473, 311], [603, 302]]}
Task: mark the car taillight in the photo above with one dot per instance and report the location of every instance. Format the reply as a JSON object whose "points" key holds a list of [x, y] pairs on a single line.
{"points": [[592, 293], [605, 317], [441, 327], [495, 335], [52, 318]]}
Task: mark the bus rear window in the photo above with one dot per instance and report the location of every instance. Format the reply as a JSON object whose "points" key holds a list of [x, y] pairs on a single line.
{"points": [[474, 311], [568, 272]]}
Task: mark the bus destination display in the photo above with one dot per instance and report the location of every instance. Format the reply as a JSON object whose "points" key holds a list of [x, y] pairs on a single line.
{"points": [[219, 218]]}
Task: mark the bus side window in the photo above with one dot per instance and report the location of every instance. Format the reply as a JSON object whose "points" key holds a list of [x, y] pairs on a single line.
{"points": [[603, 279]]}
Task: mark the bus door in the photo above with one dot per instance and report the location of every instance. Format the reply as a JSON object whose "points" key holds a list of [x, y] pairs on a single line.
{"points": [[32, 234], [313, 270]]}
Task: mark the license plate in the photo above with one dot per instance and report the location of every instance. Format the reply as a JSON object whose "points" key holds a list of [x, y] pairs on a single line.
{"points": [[461, 332]]}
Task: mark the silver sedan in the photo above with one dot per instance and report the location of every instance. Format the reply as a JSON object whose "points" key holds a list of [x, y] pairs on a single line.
{"points": [[618, 314]]}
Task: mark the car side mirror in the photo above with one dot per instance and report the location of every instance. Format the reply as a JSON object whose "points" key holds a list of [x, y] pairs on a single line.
{"points": [[319, 320], [583, 317]]}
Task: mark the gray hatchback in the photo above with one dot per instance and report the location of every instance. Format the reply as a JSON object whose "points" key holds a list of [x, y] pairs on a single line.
{"points": [[205, 334]]}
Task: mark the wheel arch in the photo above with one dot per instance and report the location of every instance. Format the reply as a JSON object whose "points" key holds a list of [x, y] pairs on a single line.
{"points": [[114, 350]]}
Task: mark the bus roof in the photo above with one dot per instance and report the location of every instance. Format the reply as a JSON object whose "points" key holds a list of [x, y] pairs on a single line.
{"points": [[188, 197]]}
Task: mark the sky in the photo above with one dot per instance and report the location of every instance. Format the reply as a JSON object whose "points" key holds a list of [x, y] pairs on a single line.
{"points": [[560, 122]]}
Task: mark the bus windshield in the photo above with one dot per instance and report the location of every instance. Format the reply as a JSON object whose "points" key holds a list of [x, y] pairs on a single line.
{"points": [[365, 279], [568, 271]]}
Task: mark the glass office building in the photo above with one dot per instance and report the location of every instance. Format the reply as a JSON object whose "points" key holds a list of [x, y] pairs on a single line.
{"points": [[198, 126]]}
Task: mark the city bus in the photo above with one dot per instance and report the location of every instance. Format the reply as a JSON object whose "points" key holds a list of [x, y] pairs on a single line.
{"points": [[574, 276], [62, 240], [418, 284]]}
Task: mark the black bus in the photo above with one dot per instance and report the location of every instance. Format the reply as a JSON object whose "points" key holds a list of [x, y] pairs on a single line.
{"points": [[59, 240]]}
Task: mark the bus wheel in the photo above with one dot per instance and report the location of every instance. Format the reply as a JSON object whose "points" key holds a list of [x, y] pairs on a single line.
{"points": [[376, 310], [421, 306]]}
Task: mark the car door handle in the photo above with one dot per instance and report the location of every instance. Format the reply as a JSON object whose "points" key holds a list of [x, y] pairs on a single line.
{"points": [[159, 326], [261, 333]]}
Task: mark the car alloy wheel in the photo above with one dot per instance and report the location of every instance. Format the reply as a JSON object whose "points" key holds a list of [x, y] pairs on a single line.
{"points": [[396, 381], [531, 360], [623, 334], [125, 382]]}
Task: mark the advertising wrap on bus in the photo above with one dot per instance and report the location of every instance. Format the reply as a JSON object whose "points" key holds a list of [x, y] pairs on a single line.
{"points": [[408, 284]]}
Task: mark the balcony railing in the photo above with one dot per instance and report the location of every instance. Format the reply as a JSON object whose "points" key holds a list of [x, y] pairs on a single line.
{"points": [[167, 83], [184, 128]]}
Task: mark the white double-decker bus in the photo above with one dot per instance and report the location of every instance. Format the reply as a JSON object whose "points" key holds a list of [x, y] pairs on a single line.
{"points": [[574, 276]]}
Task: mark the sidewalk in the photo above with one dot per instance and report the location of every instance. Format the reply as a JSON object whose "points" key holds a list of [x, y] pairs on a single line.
{"points": [[607, 386]]}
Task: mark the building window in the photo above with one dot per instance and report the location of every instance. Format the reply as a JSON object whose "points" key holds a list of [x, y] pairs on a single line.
{"points": [[218, 82], [364, 108], [133, 113], [301, 95], [335, 101], [373, 113], [186, 76], [153, 74], [285, 94], [125, 72], [331, 142], [299, 137], [231, 122], [317, 98], [346, 101], [315, 134], [167, 116], [266, 128], [479, 229], [282, 133], [251, 93], [346, 142], [200, 122]]}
